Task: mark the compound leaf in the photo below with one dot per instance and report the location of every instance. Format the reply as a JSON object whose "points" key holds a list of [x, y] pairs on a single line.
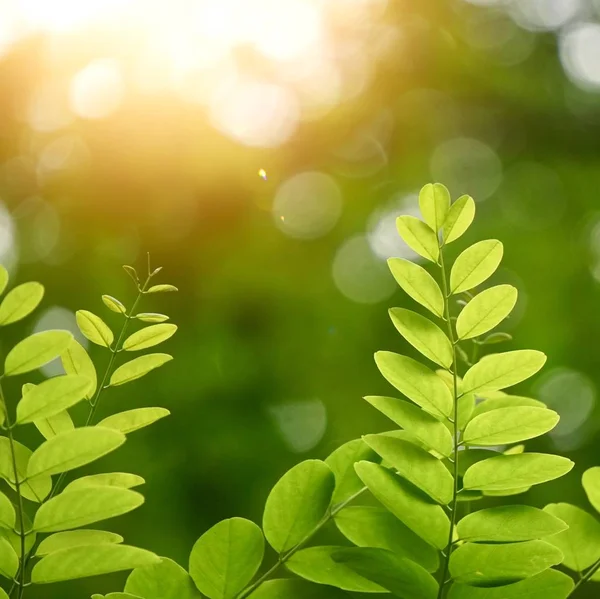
{"points": [[20, 302], [133, 420], [434, 203], [35, 351], [76, 538], [476, 264], [94, 328], [419, 237], [163, 580], [459, 219], [137, 368]]}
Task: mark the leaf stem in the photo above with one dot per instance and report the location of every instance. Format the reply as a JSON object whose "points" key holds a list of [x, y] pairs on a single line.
{"points": [[286, 556], [455, 491]]}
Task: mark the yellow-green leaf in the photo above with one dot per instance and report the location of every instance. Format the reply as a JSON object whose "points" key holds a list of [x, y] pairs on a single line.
{"points": [[419, 237], [418, 283], [149, 337], [151, 317], [138, 367], [94, 328], [3, 279], [20, 302], [75, 360], [591, 484], [112, 303], [476, 264], [434, 202], [76, 538], [133, 420], [162, 289], [124, 480], [35, 351], [459, 219]]}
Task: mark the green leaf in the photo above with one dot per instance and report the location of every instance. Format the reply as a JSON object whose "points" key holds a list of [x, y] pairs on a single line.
{"points": [[123, 480], [7, 512], [35, 490], [75, 360], [498, 371], [73, 449], [20, 302], [417, 382], [35, 351], [163, 580], [342, 461], [515, 471], [424, 518], [481, 564], [297, 503], [137, 368], [116, 596], [51, 397], [466, 406], [591, 484], [81, 562], [151, 317], [367, 526], [54, 425], [419, 237], [316, 564], [508, 523], [423, 335], [415, 465], [550, 584], [580, 543], [94, 328], [295, 588], [3, 594], [508, 401], [76, 538], [430, 431], [80, 507], [459, 219], [418, 283], [476, 264], [133, 420], [149, 337], [162, 288], [3, 279], [485, 311], [112, 303], [132, 273], [434, 202], [403, 577], [509, 425], [9, 561], [498, 337], [226, 558]]}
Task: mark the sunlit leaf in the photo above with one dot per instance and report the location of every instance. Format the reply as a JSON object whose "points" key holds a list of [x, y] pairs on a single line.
{"points": [[476, 264], [419, 237], [426, 519], [430, 431], [317, 565], [226, 558], [73, 449], [75, 360], [297, 503], [149, 337], [485, 311], [415, 465], [481, 564], [133, 420], [498, 371], [151, 317], [507, 401], [54, 425], [417, 382], [20, 302], [163, 580], [423, 335], [81, 562], [342, 461], [508, 523], [7, 512], [509, 425], [80, 507], [591, 484], [123, 480], [76, 538], [580, 543], [35, 351], [465, 409], [367, 526], [3, 594], [112, 303], [418, 284], [162, 288], [9, 561], [434, 203], [513, 471], [459, 218], [94, 328], [137, 368], [52, 397]]}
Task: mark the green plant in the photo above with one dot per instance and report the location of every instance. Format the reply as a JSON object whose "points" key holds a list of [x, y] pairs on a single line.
{"points": [[40, 517], [459, 442]]}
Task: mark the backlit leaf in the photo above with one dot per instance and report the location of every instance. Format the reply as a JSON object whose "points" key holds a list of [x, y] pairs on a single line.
{"points": [[94, 328], [81, 562], [509, 425], [35, 351], [476, 264], [417, 382], [7, 512], [137, 368], [434, 203], [123, 480], [163, 580], [498, 371], [297, 503], [54, 425], [20, 302], [591, 484], [151, 317], [226, 558], [507, 401], [75, 360], [485, 311], [513, 471], [459, 218], [423, 335], [3, 279], [9, 561], [133, 420], [112, 303], [419, 237], [149, 337], [428, 520], [418, 283], [76, 538], [162, 289]]}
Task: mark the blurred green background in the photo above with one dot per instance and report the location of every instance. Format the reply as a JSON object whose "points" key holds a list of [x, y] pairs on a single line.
{"points": [[131, 126]]}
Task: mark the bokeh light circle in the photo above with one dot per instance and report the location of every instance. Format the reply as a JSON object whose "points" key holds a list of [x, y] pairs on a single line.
{"points": [[579, 53]]}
